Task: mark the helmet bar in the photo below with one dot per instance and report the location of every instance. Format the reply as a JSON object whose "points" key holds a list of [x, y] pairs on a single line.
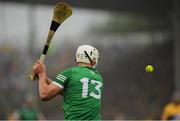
{"points": [[88, 57]]}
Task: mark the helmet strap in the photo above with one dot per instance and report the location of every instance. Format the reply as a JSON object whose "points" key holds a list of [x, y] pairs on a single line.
{"points": [[88, 58]]}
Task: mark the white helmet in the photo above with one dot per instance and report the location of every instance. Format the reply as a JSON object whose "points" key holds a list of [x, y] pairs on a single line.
{"points": [[86, 54]]}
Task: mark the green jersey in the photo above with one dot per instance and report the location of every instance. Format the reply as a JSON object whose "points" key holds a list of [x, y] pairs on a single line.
{"points": [[26, 113], [82, 91]]}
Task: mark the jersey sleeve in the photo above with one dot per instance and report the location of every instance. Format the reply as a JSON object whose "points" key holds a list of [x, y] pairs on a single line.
{"points": [[62, 78]]}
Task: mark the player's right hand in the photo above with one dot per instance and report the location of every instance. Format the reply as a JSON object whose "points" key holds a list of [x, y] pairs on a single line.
{"points": [[39, 67]]}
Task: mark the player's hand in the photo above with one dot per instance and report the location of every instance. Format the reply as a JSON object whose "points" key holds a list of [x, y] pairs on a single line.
{"points": [[39, 67]]}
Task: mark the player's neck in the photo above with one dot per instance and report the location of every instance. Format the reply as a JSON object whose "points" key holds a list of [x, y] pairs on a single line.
{"points": [[84, 64]]}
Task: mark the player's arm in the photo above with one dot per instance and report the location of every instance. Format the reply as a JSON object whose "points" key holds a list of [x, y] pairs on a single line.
{"points": [[46, 91], [48, 80]]}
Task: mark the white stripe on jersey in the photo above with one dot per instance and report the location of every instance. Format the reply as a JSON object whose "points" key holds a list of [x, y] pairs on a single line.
{"points": [[62, 76], [57, 84], [61, 79]]}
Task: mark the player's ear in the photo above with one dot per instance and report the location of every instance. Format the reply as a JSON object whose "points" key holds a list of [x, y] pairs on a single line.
{"points": [[94, 62]]}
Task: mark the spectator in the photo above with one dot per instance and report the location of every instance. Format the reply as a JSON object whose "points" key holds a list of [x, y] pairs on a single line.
{"points": [[172, 109], [27, 112]]}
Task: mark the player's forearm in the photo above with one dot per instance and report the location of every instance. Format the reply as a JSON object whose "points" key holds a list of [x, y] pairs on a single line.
{"points": [[48, 80], [43, 86]]}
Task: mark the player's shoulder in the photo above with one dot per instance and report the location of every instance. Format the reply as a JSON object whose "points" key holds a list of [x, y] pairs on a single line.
{"points": [[99, 75], [73, 68], [70, 69], [65, 72]]}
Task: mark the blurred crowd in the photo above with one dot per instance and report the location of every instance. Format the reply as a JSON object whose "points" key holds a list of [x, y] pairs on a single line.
{"points": [[12, 87]]}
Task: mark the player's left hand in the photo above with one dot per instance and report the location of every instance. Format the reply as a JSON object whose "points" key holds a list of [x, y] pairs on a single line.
{"points": [[39, 67]]}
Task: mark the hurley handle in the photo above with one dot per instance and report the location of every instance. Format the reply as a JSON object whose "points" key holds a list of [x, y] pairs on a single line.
{"points": [[34, 76]]}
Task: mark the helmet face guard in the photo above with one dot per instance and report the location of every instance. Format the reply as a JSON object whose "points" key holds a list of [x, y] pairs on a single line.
{"points": [[87, 54]]}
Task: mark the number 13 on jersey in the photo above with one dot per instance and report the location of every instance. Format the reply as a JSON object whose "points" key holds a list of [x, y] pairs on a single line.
{"points": [[85, 83]]}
